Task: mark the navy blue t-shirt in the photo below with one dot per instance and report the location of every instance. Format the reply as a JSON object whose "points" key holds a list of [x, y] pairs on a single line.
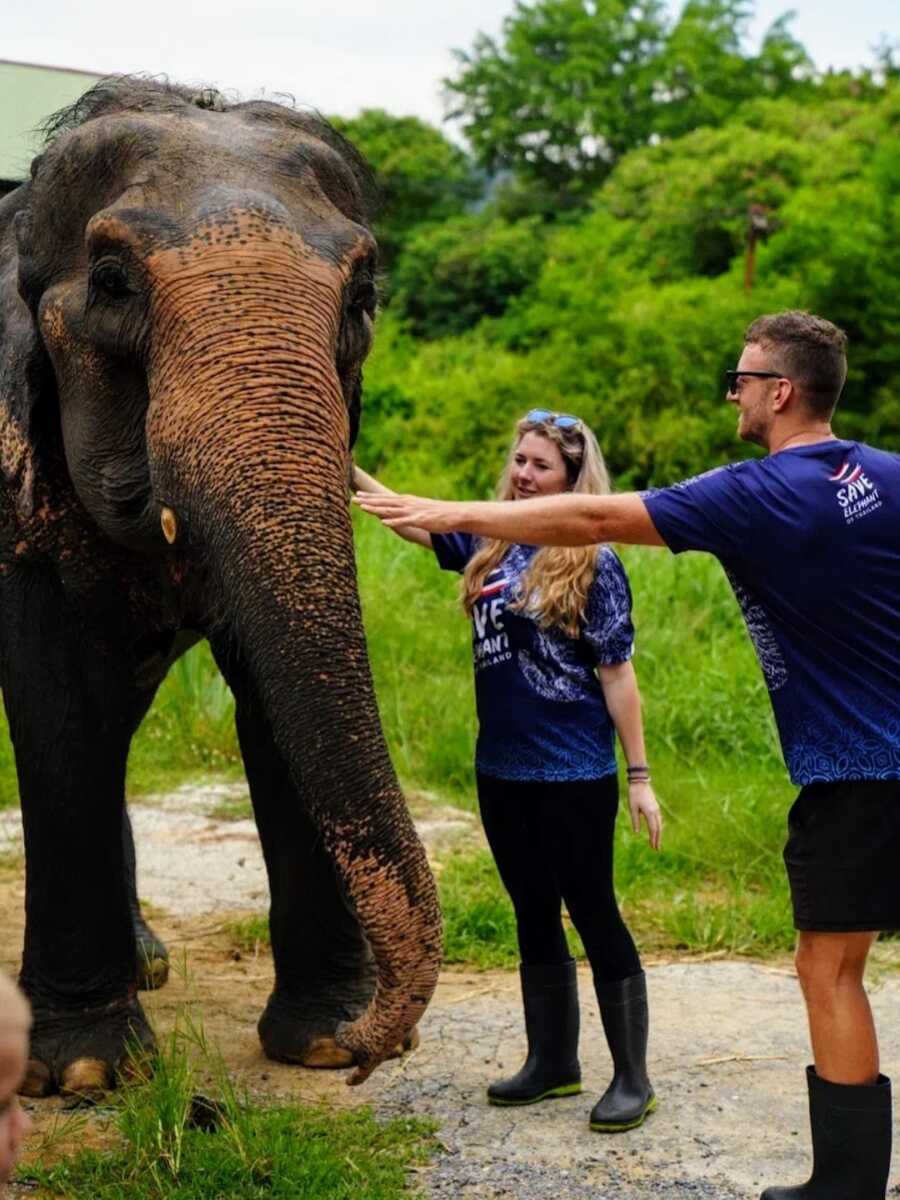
{"points": [[810, 541], [541, 712]]}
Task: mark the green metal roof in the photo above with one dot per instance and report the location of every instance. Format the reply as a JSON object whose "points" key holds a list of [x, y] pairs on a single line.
{"points": [[28, 94]]}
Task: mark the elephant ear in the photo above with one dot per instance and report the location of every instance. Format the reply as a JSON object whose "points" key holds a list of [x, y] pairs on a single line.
{"points": [[26, 375]]}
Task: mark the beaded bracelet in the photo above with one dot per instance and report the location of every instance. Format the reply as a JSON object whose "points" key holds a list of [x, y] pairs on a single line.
{"points": [[638, 774]]}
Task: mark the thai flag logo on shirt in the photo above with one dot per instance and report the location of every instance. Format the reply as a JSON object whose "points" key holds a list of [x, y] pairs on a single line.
{"points": [[856, 494], [493, 586], [847, 473]]}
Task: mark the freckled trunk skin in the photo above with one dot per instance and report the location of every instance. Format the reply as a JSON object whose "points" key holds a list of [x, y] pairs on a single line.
{"points": [[247, 429]]}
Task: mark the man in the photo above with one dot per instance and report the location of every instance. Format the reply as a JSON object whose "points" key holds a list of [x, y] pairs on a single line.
{"points": [[810, 540]]}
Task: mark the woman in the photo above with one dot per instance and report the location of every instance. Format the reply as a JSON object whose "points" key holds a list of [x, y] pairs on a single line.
{"points": [[553, 640]]}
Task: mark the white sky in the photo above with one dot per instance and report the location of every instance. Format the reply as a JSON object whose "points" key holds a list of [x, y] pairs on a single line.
{"points": [[342, 55]]}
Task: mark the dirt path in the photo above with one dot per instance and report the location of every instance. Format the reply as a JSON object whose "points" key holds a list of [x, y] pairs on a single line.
{"points": [[728, 1048]]}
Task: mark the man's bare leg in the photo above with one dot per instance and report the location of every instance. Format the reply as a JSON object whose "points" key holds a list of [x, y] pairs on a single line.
{"points": [[830, 967]]}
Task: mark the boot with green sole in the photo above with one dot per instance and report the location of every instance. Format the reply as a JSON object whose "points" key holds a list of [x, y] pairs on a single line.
{"points": [[550, 999], [629, 1099]]}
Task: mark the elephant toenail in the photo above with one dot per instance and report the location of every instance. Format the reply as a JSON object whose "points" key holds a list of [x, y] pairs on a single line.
{"points": [[85, 1078], [38, 1080], [325, 1052]]}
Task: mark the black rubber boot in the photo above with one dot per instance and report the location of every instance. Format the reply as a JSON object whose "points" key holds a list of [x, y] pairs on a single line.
{"points": [[629, 1098], [851, 1142], [550, 998]]}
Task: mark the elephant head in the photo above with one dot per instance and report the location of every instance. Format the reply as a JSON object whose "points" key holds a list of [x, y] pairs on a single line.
{"points": [[195, 298]]}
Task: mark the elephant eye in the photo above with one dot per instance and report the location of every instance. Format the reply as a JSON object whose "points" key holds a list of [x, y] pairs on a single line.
{"points": [[110, 278], [364, 298]]}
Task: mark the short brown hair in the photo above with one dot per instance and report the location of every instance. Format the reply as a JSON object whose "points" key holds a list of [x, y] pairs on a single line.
{"points": [[810, 351]]}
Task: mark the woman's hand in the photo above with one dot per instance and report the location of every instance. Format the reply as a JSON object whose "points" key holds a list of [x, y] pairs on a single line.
{"points": [[642, 803], [436, 516]]}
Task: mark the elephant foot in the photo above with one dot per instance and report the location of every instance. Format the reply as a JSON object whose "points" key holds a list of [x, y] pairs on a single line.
{"points": [[82, 1052], [152, 957], [291, 1033]]}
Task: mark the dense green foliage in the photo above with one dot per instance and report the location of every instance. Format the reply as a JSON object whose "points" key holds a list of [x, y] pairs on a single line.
{"points": [[453, 274], [637, 307]]}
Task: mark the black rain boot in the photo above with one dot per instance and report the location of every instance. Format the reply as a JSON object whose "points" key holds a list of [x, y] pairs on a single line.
{"points": [[851, 1142], [629, 1098], [550, 998]]}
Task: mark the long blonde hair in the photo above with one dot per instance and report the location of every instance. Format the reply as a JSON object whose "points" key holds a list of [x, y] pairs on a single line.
{"points": [[555, 587]]}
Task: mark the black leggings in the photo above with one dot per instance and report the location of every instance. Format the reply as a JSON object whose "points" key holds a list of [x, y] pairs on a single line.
{"points": [[553, 842]]}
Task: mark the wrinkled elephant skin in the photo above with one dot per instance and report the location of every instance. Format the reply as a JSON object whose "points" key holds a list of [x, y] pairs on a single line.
{"points": [[186, 299]]}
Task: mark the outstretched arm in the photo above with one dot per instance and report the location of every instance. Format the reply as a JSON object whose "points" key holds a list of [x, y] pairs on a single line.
{"points": [[565, 520], [363, 482]]}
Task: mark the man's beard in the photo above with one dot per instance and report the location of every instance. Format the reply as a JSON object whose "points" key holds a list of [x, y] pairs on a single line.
{"points": [[750, 430]]}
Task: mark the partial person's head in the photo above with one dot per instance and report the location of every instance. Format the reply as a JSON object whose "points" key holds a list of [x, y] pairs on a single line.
{"points": [[552, 452], [792, 367], [15, 1022]]}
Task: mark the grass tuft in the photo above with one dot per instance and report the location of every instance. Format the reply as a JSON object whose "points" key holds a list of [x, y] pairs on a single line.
{"points": [[170, 1142], [249, 934]]}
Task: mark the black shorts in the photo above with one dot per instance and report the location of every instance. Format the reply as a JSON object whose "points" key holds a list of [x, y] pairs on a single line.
{"points": [[843, 856]]}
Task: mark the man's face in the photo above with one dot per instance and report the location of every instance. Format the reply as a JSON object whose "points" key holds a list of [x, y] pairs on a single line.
{"points": [[14, 1124], [754, 395]]}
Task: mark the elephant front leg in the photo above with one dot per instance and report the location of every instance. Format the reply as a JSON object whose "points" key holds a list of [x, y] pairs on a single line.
{"points": [[324, 969], [71, 716]]}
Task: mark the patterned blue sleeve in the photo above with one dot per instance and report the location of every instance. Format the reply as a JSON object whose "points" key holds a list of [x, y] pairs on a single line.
{"points": [[708, 512], [607, 627], [453, 550]]}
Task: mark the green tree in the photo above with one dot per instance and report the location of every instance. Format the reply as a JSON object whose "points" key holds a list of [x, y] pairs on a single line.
{"points": [[573, 85], [704, 73], [639, 306], [566, 92], [421, 176]]}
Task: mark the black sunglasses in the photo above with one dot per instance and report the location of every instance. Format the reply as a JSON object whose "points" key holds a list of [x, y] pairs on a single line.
{"points": [[731, 377]]}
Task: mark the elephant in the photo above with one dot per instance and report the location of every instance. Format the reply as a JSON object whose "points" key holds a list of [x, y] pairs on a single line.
{"points": [[187, 294]]}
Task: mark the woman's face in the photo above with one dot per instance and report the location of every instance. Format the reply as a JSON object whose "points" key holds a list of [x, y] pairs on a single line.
{"points": [[539, 468]]}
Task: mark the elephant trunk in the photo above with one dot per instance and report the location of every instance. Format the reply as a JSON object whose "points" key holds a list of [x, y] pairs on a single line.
{"points": [[247, 435]]}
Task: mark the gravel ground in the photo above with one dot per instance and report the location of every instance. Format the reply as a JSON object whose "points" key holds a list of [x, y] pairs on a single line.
{"points": [[728, 1043], [728, 1050]]}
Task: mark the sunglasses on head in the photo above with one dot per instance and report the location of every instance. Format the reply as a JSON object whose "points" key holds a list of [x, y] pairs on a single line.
{"points": [[546, 417], [731, 377]]}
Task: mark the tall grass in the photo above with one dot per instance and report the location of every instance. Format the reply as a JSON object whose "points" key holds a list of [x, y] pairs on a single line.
{"points": [[718, 884], [419, 647], [189, 731]]}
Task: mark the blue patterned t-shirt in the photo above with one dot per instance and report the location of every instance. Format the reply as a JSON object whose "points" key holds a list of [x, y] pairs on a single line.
{"points": [[541, 712], [810, 541]]}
